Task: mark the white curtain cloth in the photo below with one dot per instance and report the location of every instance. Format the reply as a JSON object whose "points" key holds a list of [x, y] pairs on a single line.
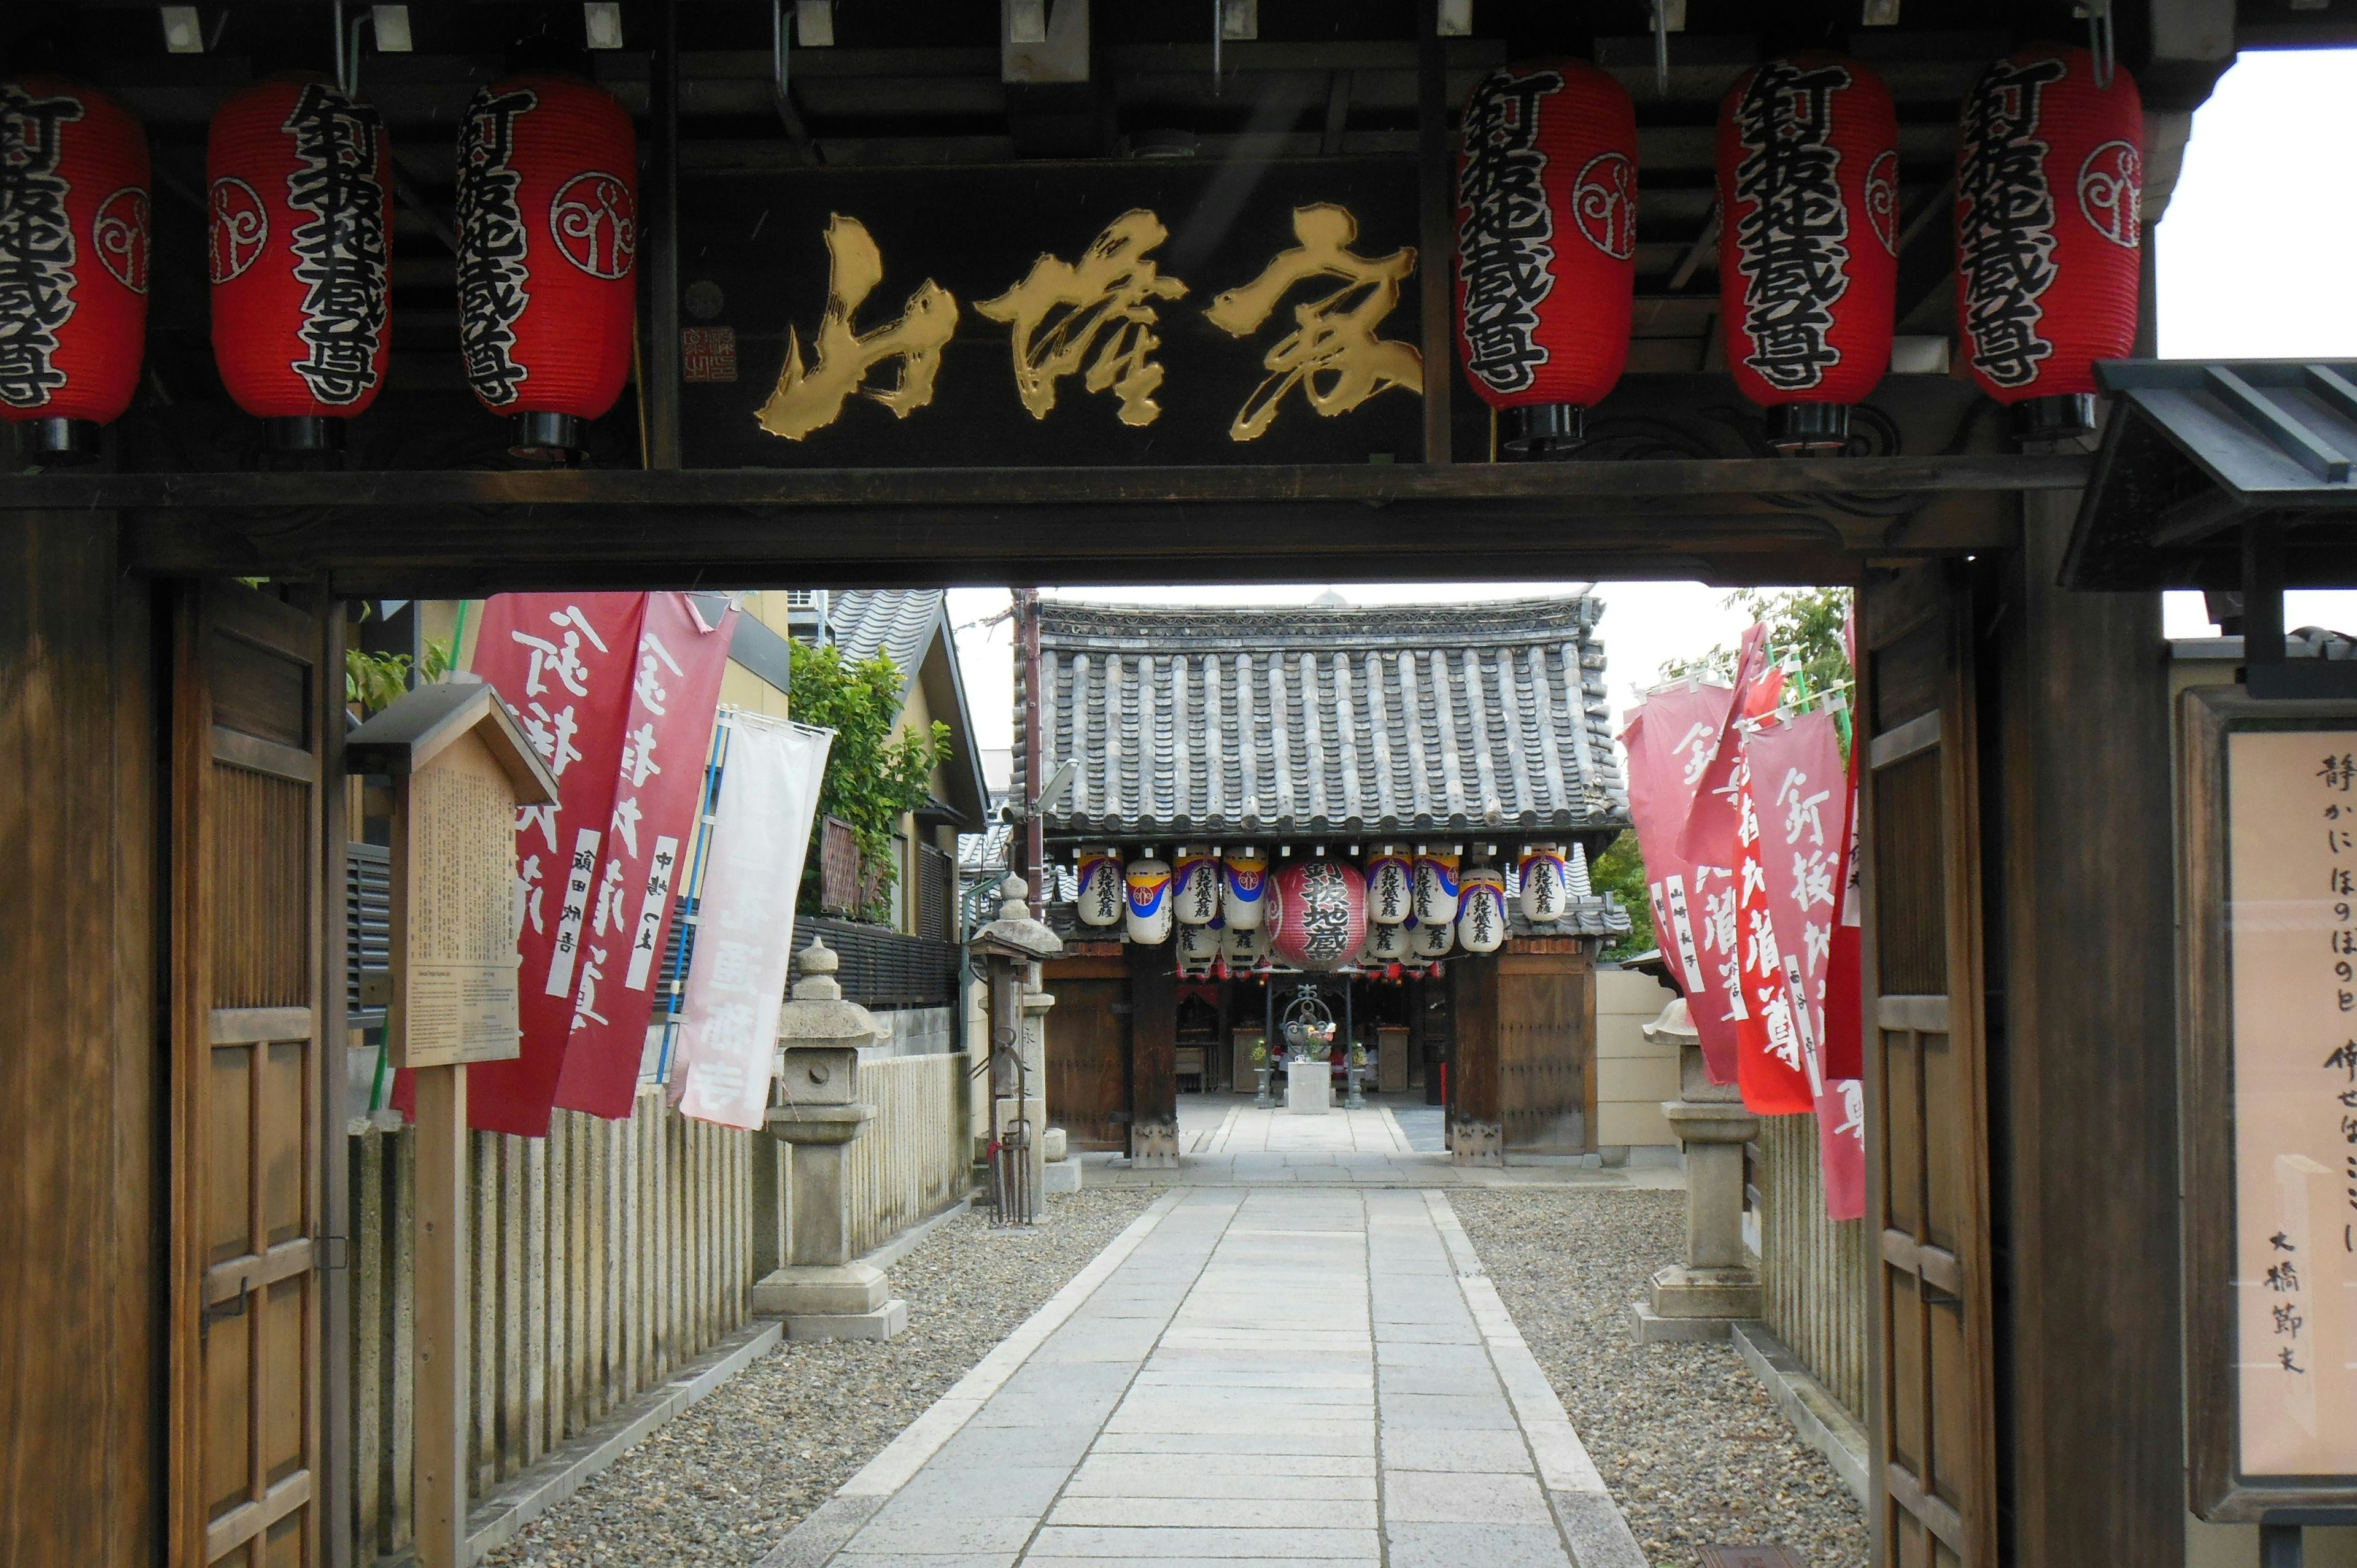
{"points": [[745, 919]]}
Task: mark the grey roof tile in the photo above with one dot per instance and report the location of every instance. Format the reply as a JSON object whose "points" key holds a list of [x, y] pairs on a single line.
{"points": [[1311, 720]]}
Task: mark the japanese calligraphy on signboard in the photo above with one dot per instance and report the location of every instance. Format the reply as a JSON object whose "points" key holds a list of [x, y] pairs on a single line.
{"points": [[2269, 1091], [1113, 313], [2292, 918]]}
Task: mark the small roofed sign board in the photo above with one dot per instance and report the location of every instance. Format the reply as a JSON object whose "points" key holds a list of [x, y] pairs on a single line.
{"points": [[2269, 1099], [460, 768]]}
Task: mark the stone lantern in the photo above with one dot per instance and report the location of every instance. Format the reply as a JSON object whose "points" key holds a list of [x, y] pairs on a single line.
{"points": [[1012, 945], [822, 1293], [1716, 1285]]}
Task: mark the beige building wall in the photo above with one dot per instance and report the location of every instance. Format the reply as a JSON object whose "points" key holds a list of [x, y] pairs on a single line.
{"points": [[1633, 1074]]}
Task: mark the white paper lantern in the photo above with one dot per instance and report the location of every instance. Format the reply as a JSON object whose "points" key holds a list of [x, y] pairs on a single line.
{"points": [[1391, 887], [1546, 885], [1433, 942], [1243, 948], [1198, 948], [1247, 898], [1386, 944], [1481, 910], [1149, 901], [1194, 891], [1099, 899], [1436, 889]]}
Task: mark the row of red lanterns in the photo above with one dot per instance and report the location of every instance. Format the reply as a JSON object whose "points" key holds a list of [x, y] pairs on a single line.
{"points": [[299, 180], [2048, 178], [299, 250]]}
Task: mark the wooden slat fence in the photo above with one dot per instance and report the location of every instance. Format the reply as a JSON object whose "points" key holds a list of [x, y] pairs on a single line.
{"points": [[603, 1256], [1816, 1271], [917, 1158]]}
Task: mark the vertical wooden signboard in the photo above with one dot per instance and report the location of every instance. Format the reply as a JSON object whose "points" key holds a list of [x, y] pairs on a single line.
{"points": [[2270, 829], [460, 769]]}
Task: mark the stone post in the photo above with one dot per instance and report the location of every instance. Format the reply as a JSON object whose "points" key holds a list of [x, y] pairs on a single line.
{"points": [[1011, 947], [1715, 1287], [822, 1292]]}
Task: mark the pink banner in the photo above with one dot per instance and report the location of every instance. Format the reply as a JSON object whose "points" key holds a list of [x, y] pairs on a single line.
{"points": [[660, 762], [1772, 1064], [1844, 987], [1669, 740], [1803, 791], [563, 664]]}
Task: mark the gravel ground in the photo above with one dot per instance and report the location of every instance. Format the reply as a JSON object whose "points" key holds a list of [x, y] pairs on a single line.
{"points": [[1694, 1451], [725, 1481]]}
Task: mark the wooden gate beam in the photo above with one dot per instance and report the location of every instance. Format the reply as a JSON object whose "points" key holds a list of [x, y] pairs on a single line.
{"points": [[416, 532]]}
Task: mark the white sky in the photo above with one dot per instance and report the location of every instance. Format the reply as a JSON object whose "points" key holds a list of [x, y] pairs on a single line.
{"points": [[2254, 260]]}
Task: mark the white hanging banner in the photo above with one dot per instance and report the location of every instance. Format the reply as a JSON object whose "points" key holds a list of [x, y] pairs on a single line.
{"points": [[745, 919]]}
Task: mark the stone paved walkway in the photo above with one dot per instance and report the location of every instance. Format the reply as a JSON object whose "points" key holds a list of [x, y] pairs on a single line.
{"points": [[1224, 1141], [1245, 1377]]}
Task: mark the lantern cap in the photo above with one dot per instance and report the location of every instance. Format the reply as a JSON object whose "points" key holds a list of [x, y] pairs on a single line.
{"points": [[58, 442], [1542, 430], [1808, 429], [2061, 416], [546, 437], [302, 433]]}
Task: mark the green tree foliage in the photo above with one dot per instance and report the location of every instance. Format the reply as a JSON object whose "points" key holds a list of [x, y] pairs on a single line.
{"points": [[875, 771], [373, 682], [1622, 870], [1803, 623]]}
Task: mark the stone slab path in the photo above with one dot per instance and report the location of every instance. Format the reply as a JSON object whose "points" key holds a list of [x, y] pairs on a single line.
{"points": [[1245, 1377], [1229, 1141]]}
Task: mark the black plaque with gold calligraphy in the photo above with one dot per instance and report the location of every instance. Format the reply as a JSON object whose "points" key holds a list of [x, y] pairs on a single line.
{"points": [[1177, 312]]}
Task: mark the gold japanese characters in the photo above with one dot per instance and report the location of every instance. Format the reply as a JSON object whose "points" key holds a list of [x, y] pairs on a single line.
{"points": [[1096, 319]]}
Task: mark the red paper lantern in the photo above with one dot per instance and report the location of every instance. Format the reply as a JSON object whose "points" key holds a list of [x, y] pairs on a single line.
{"points": [[1808, 194], [1323, 922], [73, 262], [301, 254], [1546, 247], [2050, 181], [548, 235]]}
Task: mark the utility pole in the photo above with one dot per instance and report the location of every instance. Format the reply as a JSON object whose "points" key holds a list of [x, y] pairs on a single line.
{"points": [[1028, 784]]}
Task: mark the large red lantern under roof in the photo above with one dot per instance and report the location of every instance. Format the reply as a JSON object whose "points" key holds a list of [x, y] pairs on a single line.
{"points": [[2049, 184], [300, 181], [73, 262], [1322, 905], [1546, 247], [548, 237], [1808, 269]]}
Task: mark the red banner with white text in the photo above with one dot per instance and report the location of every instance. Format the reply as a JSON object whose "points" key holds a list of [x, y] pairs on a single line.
{"points": [[1723, 828], [660, 764], [1802, 790], [1669, 740]]}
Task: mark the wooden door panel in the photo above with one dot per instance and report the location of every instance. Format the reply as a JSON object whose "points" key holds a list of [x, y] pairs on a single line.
{"points": [[249, 1081], [1542, 1051], [1086, 1037], [1935, 1417]]}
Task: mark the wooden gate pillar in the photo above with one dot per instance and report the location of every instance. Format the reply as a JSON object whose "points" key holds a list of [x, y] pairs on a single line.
{"points": [[82, 1323], [2083, 1022], [1154, 1058]]}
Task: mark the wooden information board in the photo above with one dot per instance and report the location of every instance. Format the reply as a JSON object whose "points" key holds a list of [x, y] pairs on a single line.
{"points": [[2270, 1096], [455, 964]]}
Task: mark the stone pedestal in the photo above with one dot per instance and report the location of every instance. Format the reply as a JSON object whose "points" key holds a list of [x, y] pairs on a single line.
{"points": [[1308, 1088], [1715, 1284]]}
